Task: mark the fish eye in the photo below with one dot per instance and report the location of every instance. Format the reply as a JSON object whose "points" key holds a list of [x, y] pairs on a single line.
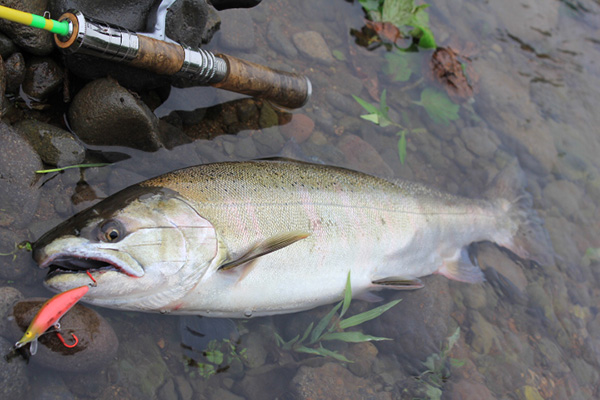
{"points": [[111, 231]]}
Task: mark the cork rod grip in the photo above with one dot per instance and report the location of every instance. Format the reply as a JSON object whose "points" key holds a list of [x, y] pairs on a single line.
{"points": [[157, 56], [282, 88]]}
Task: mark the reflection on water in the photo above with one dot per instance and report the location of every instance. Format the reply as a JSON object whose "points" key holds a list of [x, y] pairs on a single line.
{"points": [[528, 332]]}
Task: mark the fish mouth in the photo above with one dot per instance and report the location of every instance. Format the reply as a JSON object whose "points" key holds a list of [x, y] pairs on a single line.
{"points": [[89, 262], [69, 264]]}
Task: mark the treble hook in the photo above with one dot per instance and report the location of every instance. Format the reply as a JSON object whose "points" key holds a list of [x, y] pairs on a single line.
{"points": [[62, 340]]}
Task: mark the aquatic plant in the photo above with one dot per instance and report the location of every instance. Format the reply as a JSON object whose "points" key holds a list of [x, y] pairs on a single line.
{"points": [[437, 373], [332, 326], [410, 20], [218, 356], [591, 255], [46, 171], [379, 116], [18, 246], [438, 105]]}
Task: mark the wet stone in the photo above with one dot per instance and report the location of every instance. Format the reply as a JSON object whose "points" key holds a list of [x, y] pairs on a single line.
{"points": [[363, 355], [33, 40], [43, 76], [343, 103], [245, 148], [362, 156], [565, 195], [186, 20], [8, 297], [332, 381], [55, 146], [14, 68], [312, 45], [18, 162], [13, 374], [278, 39], [255, 351], [97, 345], [299, 128], [17, 262], [7, 46], [480, 141], [269, 141], [237, 29], [105, 113]]}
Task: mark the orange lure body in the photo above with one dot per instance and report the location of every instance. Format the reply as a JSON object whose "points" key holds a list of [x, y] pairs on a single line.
{"points": [[49, 314]]}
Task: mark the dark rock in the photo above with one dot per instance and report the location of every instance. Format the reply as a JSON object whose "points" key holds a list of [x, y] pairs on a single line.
{"points": [[105, 113], [129, 14], [33, 40], [2, 86], [278, 40], [8, 297], [186, 20], [43, 76], [13, 374], [55, 146], [14, 68], [18, 163], [227, 4], [299, 128], [343, 103], [332, 381], [237, 30], [51, 386], [7, 46], [97, 345]]}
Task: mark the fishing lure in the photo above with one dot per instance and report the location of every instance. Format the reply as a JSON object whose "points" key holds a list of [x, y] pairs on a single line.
{"points": [[48, 316]]}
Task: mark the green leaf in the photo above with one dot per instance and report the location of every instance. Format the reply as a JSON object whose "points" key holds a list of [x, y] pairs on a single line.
{"points": [[306, 332], [433, 393], [426, 38], [374, 118], [347, 296], [367, 315], [370, 5], [215, 357], [322, 351], [352, 337], [366, 105], [316, 333], [402, 146], [453, 339], [439, 107], [455, 362], [397, 66], [338, 55]]}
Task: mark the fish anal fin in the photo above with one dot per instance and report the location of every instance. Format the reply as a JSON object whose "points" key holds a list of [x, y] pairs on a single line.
{"points": [[267, 246], [398, 283], [461, 268]]}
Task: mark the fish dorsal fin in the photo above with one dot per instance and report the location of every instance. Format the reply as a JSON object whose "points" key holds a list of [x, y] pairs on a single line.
{"points": [[267, 246], [461, 268], [398, 283]]}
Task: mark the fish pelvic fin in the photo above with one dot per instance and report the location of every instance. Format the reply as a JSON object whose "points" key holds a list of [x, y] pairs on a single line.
{"points": [[267, 246], [461, 268], [522, 230], [398, 283]]}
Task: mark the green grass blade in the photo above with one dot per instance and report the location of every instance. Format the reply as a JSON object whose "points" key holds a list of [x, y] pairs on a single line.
{"points": [[46, 171], [347, 296], [352, 337], [326, 320], [306, 333], [367, 315]]}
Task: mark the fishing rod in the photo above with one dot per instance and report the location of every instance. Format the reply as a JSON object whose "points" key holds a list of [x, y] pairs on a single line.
{"points": [[76, 33]]}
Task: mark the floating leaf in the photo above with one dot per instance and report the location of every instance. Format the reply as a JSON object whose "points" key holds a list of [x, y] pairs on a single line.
{"points": [[439, 107]]}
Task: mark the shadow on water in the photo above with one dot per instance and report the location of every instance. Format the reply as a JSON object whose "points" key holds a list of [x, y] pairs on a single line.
{"points": [[512, 79]]}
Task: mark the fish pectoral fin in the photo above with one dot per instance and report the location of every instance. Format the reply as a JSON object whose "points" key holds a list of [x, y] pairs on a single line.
{"points": [[267, 246], [398, 283], [33, 347], [461, 268]]}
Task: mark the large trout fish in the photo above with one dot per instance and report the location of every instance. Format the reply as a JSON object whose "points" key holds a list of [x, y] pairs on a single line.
{"points": [[241, 239]]}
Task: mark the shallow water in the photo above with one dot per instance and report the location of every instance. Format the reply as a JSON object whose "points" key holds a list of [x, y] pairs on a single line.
{"points": [[528, 332]]}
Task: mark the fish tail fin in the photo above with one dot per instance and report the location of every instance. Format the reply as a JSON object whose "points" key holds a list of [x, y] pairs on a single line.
{"points": [[521, 229]]}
